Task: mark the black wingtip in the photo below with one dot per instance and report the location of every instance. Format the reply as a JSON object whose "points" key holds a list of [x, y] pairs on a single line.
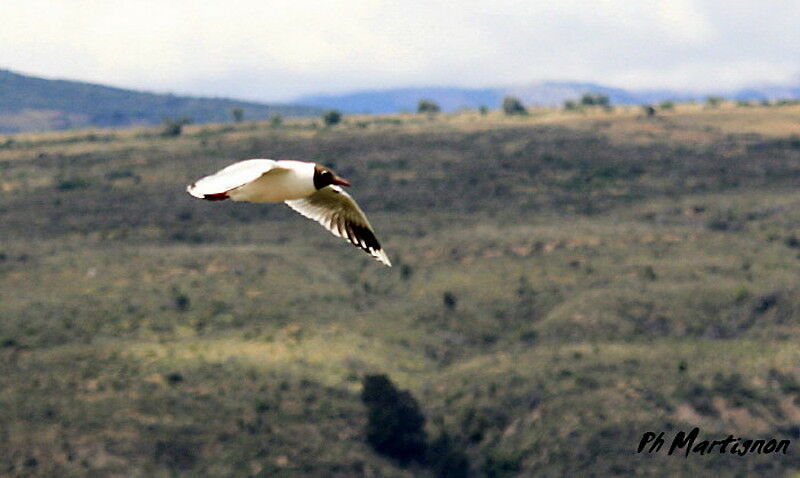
{"points": [[363, 238]]}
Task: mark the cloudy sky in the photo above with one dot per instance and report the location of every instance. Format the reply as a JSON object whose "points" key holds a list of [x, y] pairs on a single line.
{"points": [[277, 50]]}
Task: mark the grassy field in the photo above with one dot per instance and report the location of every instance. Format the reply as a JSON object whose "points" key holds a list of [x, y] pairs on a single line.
{"points": [[606, 274]]}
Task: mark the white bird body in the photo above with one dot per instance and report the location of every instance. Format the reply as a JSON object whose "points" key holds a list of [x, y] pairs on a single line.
{"points": [[308, 188], [248, 181]]}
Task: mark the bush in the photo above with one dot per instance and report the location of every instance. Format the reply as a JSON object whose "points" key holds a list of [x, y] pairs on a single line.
{"points": [[648, 273], [513, 106], [570, 105], [427, 106], [667, 105], [500, 465], [176, 454], [595, 99], [332, 117], [483, 110], [449, 300], [70, 184], [237, 114], [180, 300], [714, 101], [395, 423], [445, 460], [174, 127]]}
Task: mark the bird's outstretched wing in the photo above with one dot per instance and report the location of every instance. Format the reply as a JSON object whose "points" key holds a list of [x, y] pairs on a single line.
{"points": [[236, 175], [338, 212]]}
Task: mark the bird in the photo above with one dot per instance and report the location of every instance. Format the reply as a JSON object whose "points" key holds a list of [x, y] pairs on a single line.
{"points": [[311, 189]]}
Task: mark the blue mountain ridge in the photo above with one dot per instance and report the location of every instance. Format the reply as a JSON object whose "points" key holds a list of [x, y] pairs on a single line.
{"points": [[546, 93], [29, 103]]}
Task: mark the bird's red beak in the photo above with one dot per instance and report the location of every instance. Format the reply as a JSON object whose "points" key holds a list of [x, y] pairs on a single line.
{"points": [[342, 181]]}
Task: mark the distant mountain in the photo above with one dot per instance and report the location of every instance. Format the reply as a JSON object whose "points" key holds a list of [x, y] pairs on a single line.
{"points": [[767, 92], [405, 99], [35, 104], [553, 93], [547, 93]]}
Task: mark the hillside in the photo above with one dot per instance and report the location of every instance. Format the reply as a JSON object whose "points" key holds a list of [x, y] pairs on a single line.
{"points": [[34, 104], [563, 283]]}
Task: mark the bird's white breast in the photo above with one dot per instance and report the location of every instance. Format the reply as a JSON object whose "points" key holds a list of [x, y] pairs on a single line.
{"points": [[291, 180]]}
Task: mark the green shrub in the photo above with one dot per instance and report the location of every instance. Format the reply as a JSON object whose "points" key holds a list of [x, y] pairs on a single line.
{"points": [[173, 127], [513, 106], [180, 300], [73, 184], [237, 114], [648, 273], [714, 101], [449, 300], [446, 460], [785, 382], [332, 117], [595, 99], [427, 106], [501, 465], [177, 454]]}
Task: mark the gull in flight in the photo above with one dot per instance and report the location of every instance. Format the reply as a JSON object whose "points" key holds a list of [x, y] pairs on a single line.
{"points": [[309, 188]]}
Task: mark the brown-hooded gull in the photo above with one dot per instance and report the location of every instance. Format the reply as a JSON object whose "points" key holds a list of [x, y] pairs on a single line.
{"points": [[310, 189]]}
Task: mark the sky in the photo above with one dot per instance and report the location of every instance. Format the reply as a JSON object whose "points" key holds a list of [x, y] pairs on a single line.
{"points": [[279, 50]]}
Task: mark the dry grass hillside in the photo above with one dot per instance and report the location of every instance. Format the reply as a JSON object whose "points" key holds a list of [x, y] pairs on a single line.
{"points": [[563, 283]]}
